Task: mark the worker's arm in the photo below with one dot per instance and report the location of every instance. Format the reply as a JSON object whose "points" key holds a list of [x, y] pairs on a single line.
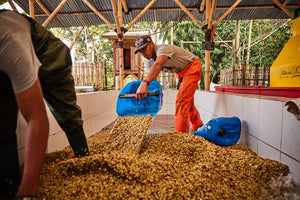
{"points": [[141, 92], [32, 107]]}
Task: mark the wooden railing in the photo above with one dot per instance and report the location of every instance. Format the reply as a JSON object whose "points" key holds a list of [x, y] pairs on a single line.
{"points": [[245, 75], [92, 74]]}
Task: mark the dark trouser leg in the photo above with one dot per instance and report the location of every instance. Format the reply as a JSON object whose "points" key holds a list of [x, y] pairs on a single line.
{"points": [[59, 92], [9, 167]]}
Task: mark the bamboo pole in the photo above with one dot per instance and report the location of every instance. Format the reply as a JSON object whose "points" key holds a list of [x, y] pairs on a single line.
{"points": [[202, 5], [249, 42], [31, 8], [12, 5], [163, 9], [121, 50], [227, 12], [207, 52], [98, 13], [188, 13], [115, 12], [237, 42], [212, 13], [283, 8], [75, 38], [125, 7], [43, 7], [140, 14], [54, 12]]}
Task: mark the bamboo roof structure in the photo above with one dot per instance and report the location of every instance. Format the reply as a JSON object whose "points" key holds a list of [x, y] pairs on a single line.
{"points": [[121, 15]]}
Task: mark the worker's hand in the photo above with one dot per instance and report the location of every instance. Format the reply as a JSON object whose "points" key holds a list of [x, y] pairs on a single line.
{"points": [[141, 92]]}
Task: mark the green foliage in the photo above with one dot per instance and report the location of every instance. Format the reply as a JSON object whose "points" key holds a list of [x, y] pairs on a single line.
{"points": [[3, 2], [263, 53]]}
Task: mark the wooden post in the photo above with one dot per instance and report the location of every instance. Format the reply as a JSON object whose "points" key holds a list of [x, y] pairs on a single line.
{"points": [[105, 74], [264, 75], [256, 74], [243, 70], [249, 43], [97, 75], [102, 75], [207, 52], [75, 72], [92, 74], [237, 42]]}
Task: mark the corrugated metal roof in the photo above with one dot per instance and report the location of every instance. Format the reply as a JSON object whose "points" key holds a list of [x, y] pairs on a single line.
{"points": [[77, 13]]}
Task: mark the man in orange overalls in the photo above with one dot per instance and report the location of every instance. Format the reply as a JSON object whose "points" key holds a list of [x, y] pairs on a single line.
{"points": [[185, 65]]}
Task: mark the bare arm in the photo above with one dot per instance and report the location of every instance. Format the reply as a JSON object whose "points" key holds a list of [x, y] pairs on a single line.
{"points": [[32, 107], [153, 73]]}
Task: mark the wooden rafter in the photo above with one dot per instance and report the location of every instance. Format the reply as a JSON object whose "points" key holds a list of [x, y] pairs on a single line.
{"points": [[188, 13], [12, 5], [283, 8], [115, 12], [169, 9], [31, 8], [75, 38], [212, 13], [43, 7], [98, 13], [202, 6], [121, 50], [125, 7], [140, 14], [227, 12], [62, 3]]}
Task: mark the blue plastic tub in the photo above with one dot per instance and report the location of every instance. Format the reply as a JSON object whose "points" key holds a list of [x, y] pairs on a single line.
{"points": [[221, 131], [132, 106]]}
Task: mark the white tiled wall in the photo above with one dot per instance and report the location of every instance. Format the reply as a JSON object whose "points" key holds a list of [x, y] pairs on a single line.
{"points": [[267, 128]]}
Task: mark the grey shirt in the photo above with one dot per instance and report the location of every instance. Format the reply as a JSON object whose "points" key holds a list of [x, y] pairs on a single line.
{"points": [[17, 56], [178, 58]]}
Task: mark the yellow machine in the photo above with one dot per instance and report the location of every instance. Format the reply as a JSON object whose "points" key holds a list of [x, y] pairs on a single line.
{"points": [[285, 71]]}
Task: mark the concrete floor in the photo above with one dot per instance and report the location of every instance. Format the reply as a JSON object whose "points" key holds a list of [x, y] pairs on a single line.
{"points": [[162, 123]]}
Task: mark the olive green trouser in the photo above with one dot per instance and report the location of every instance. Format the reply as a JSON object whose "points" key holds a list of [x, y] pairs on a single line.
{"points": [[58, 85], [58, 89]]}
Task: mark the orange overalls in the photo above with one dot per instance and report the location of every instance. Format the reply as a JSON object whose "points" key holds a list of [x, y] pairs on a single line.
{"points": [[186, 111]]}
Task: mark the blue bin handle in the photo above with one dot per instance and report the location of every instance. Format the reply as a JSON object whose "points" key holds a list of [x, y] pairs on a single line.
{"points": [[133, 95]]}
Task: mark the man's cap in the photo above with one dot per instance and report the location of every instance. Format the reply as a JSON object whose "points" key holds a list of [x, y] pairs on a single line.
{"points": [[141, 42]]}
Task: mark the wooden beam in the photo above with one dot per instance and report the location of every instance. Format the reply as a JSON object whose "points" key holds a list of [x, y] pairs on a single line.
{"points": [[188, 13], [120, 17], [98, 13], [169, 9], [121, 49], [75, 38], [12, 5], [140, 14], [283, 8], [43, 7], [62, 3], [31, 8], [285, 2], [125, 7], [212, 13], [207, 52], [202, 6], [227, 12], [115, 12]]}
